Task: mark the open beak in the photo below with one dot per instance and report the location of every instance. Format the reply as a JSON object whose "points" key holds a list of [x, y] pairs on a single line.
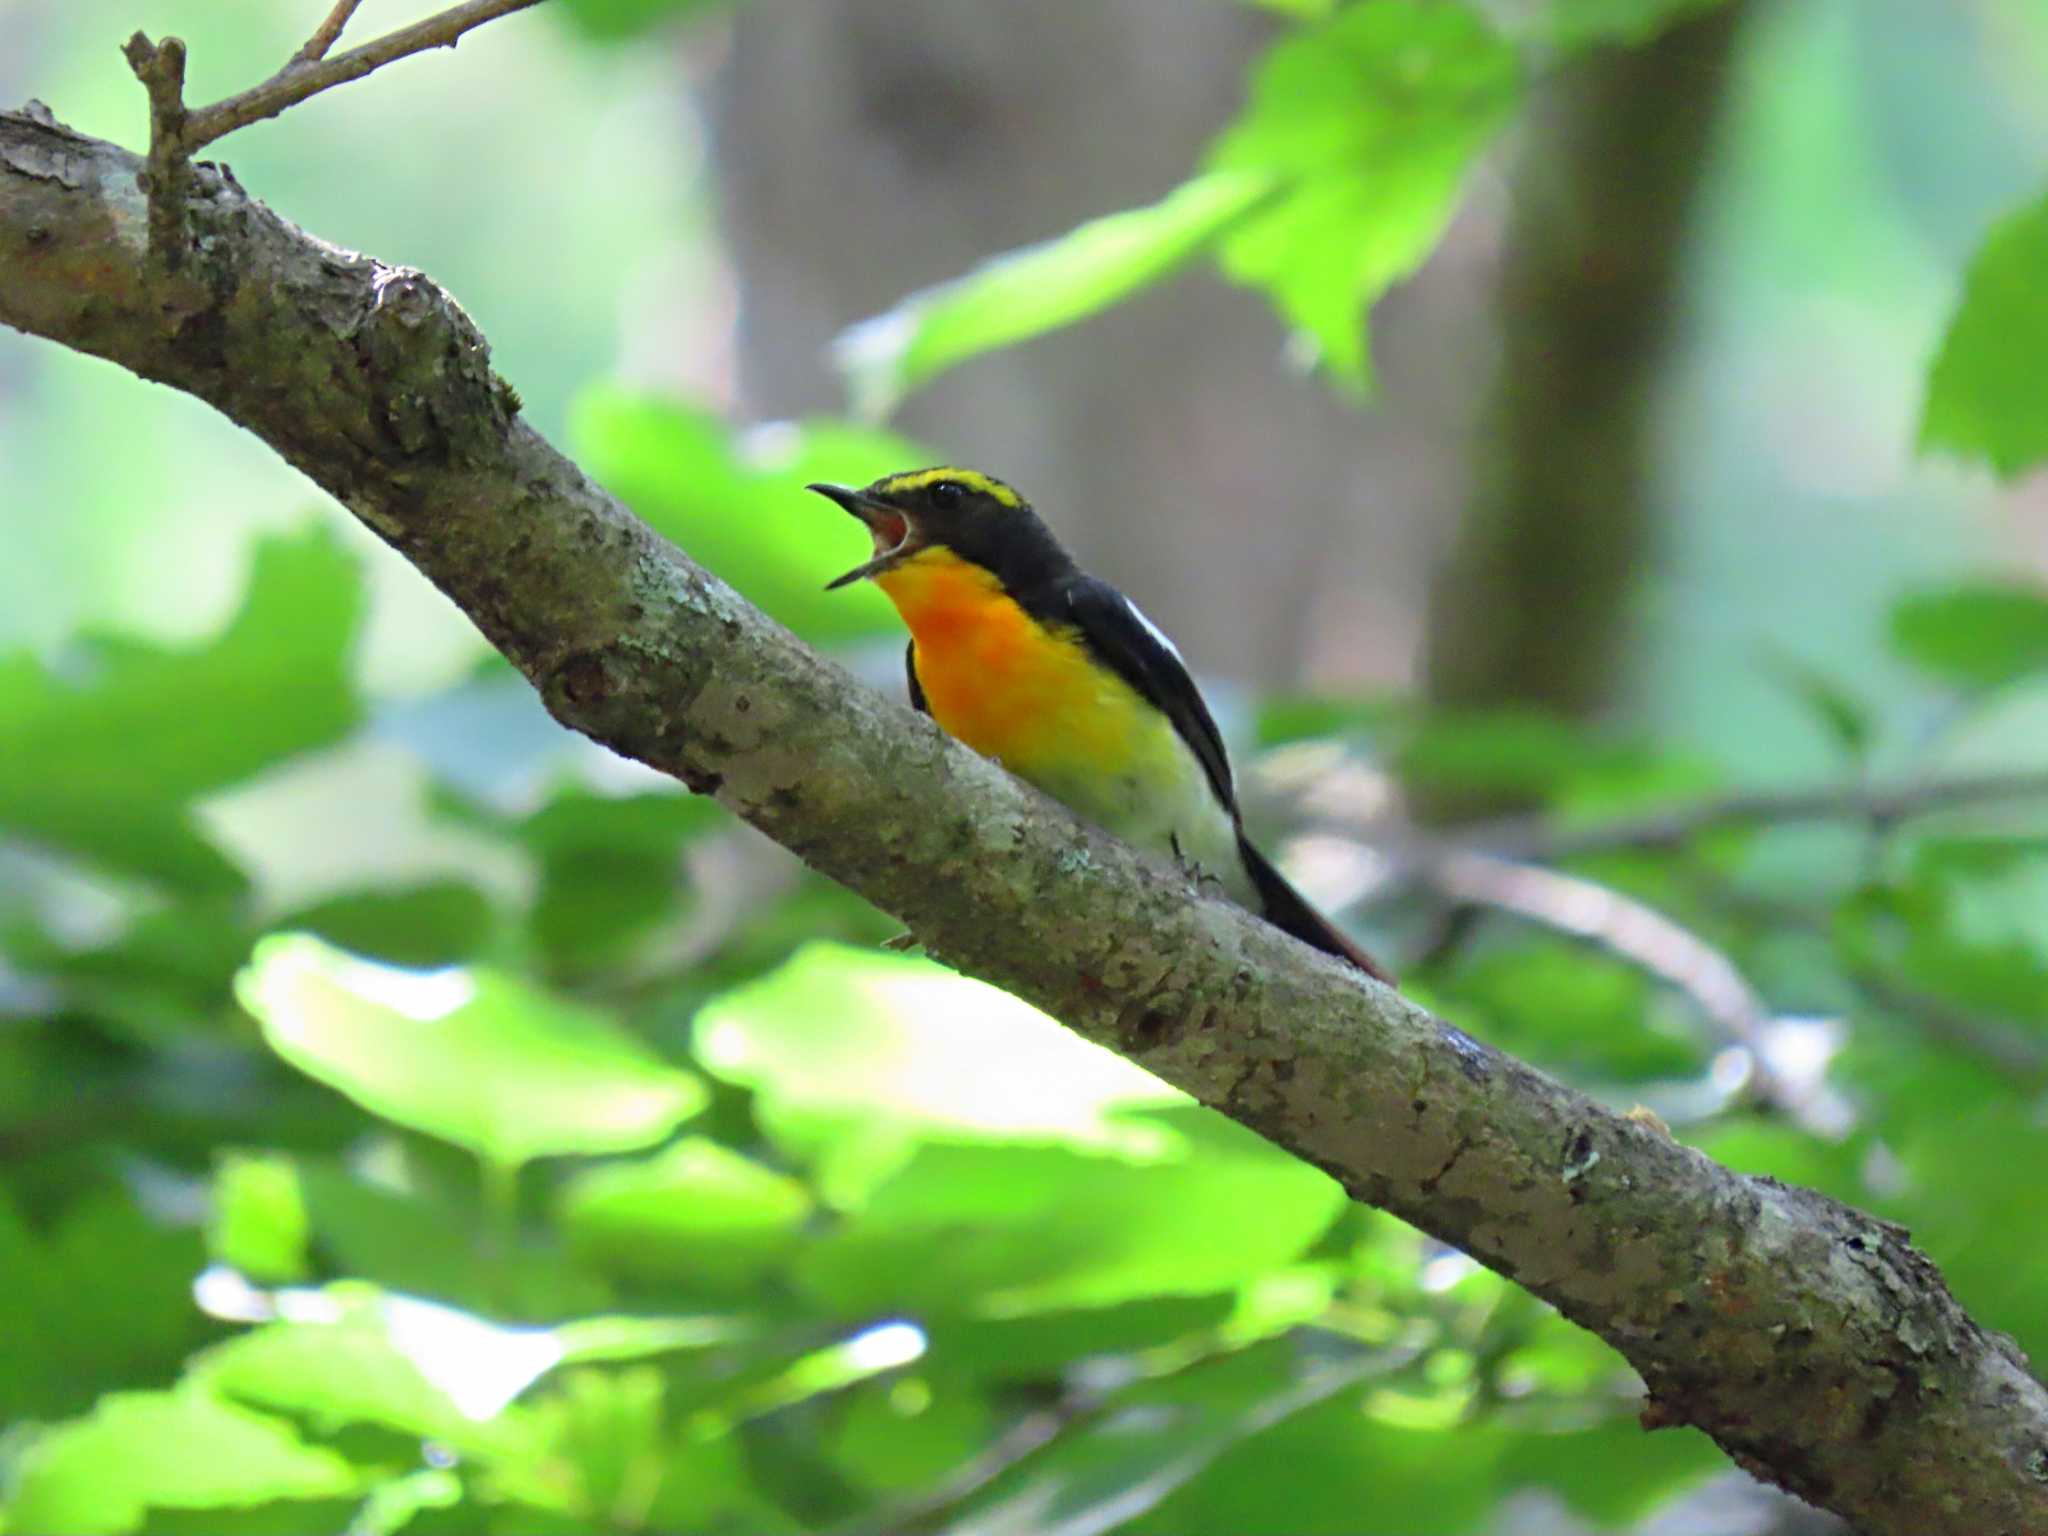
{"points": [[896, 538]]}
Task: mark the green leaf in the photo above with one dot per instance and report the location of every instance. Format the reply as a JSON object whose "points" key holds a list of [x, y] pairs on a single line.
{"points": [[1614, 1473], [908, 1434], [1350, 1473], [611, 870], [1032, 1346], [1574, 25], [617, 20], [1367, 123], [1977, 1196], [698, 1212], [1987, 397], [1040, 288], [1575, 1010], [474, 1057], [178, 1450], [438, 922], [335, 1373], [852, 1055], [1520, 750], [740, 508], [259, 1223], [1135, 1465], [1285, 718], [1849, 721], [1011, 1229], [408, 1241], [1967, 922], [103, 759], [392, 1505], [101, 1299], [1978, 635], [610, 1458]]}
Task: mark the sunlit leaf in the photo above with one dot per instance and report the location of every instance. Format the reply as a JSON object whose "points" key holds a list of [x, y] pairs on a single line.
{"points": [[1981, 635], [475, 1057], [1025, 293], [1009, 1229], [740, 508], [104, 758], [696, 1212], [334, 1372], [259, 1224], [176, 1450], [852, 1054], [1987, 397], [1367, 124]]}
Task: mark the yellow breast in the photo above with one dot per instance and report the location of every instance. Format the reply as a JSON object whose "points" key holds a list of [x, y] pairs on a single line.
{"points": [[1032, 698], [1008, 686]]}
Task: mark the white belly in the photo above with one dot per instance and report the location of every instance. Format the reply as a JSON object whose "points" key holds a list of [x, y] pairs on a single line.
{"points": [[1175, 817]]}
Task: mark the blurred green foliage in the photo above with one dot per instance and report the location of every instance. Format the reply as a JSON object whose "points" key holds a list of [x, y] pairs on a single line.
{"points": [[603, 1190], [1986, 398], [700, 1230]]}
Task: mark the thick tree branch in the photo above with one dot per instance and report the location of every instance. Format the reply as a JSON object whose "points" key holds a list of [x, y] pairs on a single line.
{"points": [[1811, 1340]]}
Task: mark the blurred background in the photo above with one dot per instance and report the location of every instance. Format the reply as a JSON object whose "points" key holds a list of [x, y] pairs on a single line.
{"points": [[1619, 555]]}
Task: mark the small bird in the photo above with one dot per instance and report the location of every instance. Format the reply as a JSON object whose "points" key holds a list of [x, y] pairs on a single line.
{"points": [[1059, 677]]}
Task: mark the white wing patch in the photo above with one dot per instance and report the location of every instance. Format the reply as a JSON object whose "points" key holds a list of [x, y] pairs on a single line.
{"points": [[1154, 631]]}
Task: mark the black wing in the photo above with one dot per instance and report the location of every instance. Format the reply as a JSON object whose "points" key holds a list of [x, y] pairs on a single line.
{"points": [[1128, 643], [916, 688]]}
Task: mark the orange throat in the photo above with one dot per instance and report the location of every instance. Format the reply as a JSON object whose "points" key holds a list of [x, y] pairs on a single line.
{"points": [[1007, 685]]}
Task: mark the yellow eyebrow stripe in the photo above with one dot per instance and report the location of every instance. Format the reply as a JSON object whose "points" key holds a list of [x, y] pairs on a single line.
{"points": [[973, 479]]}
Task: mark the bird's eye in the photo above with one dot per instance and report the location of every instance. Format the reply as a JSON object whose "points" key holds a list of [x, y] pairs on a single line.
{"points": [[946, 494]]}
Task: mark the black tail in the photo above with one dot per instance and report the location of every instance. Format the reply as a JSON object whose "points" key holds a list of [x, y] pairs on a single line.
{"points": [[1288, 910]]}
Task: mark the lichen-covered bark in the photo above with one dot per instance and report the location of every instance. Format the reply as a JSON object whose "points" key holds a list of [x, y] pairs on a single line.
{"points": [[1810, 1340]]}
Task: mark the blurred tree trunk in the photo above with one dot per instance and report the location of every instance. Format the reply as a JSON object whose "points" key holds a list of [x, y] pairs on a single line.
{"points": [[864, 151], [1531, 605]]}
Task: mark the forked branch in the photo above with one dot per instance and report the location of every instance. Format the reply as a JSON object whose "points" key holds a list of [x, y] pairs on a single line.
{"points": [[177, 132]]}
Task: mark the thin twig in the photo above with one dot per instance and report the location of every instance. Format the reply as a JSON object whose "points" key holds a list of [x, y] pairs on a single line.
{"points": [[176, 132], [161, 69], [1636, 932], [1537, 838], [325, 35], [295, 82]]}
